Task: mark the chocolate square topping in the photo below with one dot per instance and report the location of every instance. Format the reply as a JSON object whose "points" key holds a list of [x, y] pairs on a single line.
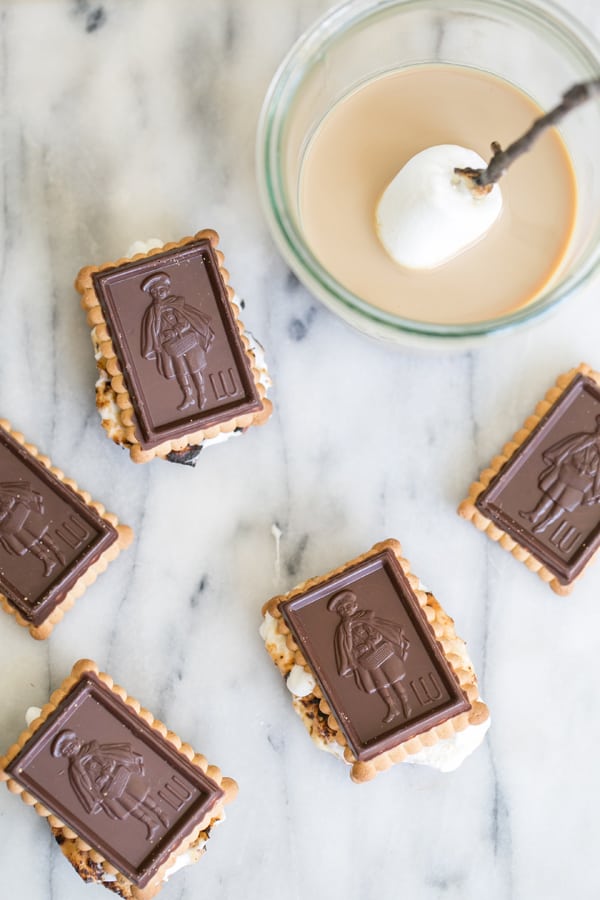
{"points": [[177, 341], [547, 496], [121, 786], [49, 536], [374, 655]]}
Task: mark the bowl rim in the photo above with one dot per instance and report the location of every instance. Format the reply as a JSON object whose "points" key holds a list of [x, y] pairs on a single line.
{"points": [[327, 29]]}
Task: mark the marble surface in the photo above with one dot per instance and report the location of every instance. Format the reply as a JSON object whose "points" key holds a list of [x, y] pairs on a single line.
{"points": [[137, 119]]}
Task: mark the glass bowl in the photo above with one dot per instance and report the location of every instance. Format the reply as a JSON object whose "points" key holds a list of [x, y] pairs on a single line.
{"points": [[533, 44]]}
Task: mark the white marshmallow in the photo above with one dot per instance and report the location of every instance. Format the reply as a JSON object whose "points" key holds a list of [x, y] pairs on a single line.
{"points": [[428, 214], [299, 682], [145, 246], [449, 753], [31, 714]]}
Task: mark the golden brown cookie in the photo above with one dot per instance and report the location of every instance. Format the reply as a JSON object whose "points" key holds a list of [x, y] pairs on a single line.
{"points": [[540, 498], [127, 801], [376, 670], [54, 539], [178, 370]]}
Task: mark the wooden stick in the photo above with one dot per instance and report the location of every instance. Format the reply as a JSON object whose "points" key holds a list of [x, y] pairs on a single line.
{"points": [[481, 181]]}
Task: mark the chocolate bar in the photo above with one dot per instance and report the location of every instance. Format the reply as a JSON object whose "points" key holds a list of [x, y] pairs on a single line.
{"points": [[541, 498], [124, 798], [376, 679], [177, 369], [54, 540]]}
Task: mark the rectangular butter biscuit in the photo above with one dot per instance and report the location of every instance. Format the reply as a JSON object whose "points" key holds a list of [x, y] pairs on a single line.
{"points": [[376, 670], [128, 803], [54, 539], [178, 370], [540, 498]]}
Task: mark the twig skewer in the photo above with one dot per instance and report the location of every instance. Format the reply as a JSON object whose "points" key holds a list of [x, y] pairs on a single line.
{"points": [[481, 181]]}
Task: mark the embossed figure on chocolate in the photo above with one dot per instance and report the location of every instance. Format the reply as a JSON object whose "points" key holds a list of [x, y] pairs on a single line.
{"points": [[177, 336], [109, 778], [22, 529], [373, 650], [571, 479]]}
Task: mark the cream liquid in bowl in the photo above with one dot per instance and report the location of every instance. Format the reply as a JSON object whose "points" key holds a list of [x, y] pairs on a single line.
{"points": [[371, 133]]}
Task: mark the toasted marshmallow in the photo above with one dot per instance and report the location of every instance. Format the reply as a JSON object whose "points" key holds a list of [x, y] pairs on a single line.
{"points": [[428, 214]]}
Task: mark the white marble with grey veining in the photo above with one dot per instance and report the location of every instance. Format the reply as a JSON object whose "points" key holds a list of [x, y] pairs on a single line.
{"points": [[136, 118]]}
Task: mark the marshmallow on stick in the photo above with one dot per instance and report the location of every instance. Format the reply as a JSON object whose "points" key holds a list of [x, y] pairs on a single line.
{"points": [[428, 214]]}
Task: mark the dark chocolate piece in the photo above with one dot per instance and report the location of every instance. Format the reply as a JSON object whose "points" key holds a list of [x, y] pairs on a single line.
{"points": [[121, 786], [177, 341], [187, 457], [547, 496], [49, 536], [374, 655]]}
